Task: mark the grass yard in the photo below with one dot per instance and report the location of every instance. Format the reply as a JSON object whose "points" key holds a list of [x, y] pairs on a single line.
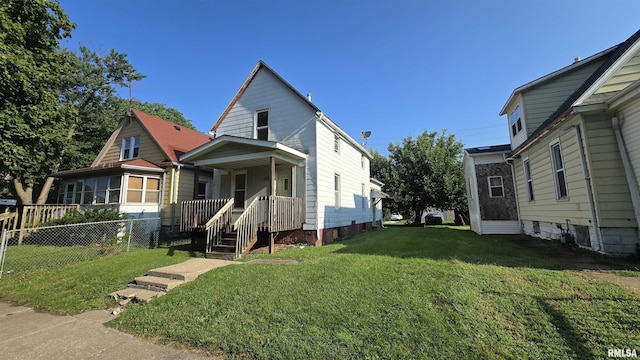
{"points": [[77, 287], [403, 292]]}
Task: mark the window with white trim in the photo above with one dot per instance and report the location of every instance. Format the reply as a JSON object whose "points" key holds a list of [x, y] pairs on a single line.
{"points": [[142, 189], [102, 190], [130, 148], [496, 188], [515, 120], [262, 124], [528, 180], [559, 174], [336, 188]]}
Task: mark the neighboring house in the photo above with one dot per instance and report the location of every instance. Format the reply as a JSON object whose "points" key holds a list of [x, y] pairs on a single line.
{"points": [[138, 171], [271, 140], [575, 140], [493, 208]]}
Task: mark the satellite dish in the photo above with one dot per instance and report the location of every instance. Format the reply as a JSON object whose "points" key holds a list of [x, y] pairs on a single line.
{"points": [[365, 136]]}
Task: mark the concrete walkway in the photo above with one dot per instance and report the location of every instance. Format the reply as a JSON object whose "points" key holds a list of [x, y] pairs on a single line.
{"points": [[26, 334]]}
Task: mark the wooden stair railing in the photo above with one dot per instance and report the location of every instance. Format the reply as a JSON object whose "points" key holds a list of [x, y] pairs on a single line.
{"points": [[218, 225], [253, 219], [267, 213]]}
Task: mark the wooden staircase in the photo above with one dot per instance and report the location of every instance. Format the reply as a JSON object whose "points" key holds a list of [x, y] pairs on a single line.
{"points": [[226, 248]]}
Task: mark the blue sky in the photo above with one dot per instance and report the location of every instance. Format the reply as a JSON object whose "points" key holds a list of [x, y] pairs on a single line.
{"points": [[395, 68]]}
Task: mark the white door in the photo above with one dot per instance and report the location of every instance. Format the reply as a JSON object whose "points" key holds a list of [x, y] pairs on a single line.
{"points": [[283, 181]]}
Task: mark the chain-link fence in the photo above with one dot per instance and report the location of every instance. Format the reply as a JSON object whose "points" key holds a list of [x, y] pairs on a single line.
{"points": [[52, 247]]}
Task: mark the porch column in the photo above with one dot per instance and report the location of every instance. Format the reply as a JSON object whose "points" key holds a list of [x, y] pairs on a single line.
{"points": [[272, 192]]}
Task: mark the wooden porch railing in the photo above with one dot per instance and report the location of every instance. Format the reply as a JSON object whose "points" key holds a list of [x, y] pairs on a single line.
{"points": [[219, 224], [270, 214], [196, 213], [34, 215], [8, 220]]}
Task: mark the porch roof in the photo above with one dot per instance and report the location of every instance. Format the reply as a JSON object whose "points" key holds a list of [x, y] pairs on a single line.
{"points": [[232, 152], [111, 168]]}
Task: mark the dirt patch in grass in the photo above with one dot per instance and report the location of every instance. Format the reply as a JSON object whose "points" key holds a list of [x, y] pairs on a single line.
{"points": [[629, 282]]}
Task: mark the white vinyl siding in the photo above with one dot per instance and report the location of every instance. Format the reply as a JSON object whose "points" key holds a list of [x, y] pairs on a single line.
{"points": [[349, 166]]}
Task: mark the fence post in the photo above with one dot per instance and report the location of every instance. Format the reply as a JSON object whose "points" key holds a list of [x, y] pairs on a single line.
{"points": [[130, 232], [3, 246]]}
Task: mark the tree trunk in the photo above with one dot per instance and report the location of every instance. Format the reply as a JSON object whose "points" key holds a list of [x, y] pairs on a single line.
{"points": [[44, 193], [25, 195]]}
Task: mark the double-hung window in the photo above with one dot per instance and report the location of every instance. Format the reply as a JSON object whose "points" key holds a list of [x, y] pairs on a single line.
{"points": [[515, 120], [143, 189], [336, 144], [528, 180], [559, 174], [130, 148], [496, 187], [262, 124]]}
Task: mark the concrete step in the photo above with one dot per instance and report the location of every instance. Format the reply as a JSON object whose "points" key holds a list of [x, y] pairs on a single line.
{"points": [[156, 282], [136, 295], [188, 270]]}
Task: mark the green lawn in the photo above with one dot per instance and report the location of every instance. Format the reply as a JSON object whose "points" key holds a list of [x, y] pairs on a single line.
{"points": [[402, 292], [77, 287]]}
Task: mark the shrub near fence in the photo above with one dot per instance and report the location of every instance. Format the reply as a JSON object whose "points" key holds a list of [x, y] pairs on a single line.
{"points": [[56, 246]]}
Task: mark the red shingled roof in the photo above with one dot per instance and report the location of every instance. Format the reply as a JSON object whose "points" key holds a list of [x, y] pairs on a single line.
{"points": [[127, 164], [173, 139]]}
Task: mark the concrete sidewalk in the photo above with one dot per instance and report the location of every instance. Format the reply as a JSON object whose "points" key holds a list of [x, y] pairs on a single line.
{"points": [[26, 334]]}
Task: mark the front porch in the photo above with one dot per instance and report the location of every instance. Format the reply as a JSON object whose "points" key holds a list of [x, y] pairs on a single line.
{"points": [[260, 188], [229, 236]]}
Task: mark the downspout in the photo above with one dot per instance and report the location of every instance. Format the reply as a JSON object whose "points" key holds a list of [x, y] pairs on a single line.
{"points": [[515, 189], [628, 169], [163, 191], [587, 181]]}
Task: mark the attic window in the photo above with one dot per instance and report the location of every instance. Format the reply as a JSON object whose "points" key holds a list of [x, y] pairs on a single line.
{"points": [[516, 121], [130, 148], [262, 124]]}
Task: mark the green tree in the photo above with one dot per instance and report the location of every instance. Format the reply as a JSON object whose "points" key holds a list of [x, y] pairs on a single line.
{"points": [[33, 125], [427, 172]]}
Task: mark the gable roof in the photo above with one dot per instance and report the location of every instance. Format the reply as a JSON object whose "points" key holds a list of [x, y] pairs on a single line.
{"points": [[565, 108], [319, 114], [261, 65], [576, 64], [172, 139]]}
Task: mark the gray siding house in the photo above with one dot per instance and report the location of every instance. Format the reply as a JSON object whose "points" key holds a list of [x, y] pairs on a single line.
{"points": [[575, 151]]}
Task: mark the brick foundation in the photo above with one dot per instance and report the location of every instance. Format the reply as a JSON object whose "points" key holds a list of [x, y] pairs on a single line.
{"points": [[324, 236]]}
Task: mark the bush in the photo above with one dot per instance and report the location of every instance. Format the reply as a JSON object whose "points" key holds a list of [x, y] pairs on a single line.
{"points": [[87, 215]]}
